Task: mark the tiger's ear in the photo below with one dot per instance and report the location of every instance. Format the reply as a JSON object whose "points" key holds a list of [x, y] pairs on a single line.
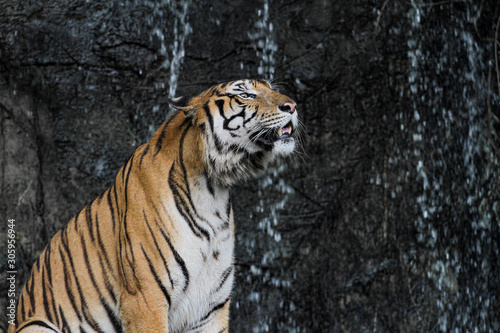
{"points": [[183, 103]]}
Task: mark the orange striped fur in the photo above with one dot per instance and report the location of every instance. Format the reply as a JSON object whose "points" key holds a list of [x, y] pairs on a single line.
{"points": [[154, 252]]}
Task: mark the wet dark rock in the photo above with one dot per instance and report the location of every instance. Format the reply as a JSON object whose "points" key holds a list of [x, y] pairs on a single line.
{"points": [[389, 220]]}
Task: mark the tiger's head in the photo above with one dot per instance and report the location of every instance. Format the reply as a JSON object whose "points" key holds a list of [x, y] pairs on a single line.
{"points": [[244, 124]]}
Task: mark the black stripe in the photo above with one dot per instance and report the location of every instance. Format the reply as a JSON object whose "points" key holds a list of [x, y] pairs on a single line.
{"points": [[178, 259], [45, 298], [143, 154], [220, 94], [212, 163], [84, 304], [37, 265], [90, 319], [186, 182], [218, 144], [107, 280], [215, 308], [115, 194], [89, 267], [75, 218], [228, 209], [30, 291], [37, 323], [122, 170], [110, 203], [182, 205], [163, 133], [88, 218], [69, 289], [124, 224], [113, 318], [125, 194], [21, 304], [187, 191], [236, 148], [240, 103], [48, 268], [129, 162], [240, 87], [224, 277], [157, 278], [210, 186], [101, 245], [65, 326], [220, 105], [126, 180], [206, 108], [181, 158], [251, 117], [159, 250], [47, 264]]}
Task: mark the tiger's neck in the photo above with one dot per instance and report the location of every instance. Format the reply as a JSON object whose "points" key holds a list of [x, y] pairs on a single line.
{"points": [[177, 170]]}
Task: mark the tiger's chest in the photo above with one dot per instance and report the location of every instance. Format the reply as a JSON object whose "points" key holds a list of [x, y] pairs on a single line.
{"points": [[209, 265], [210, 281]]}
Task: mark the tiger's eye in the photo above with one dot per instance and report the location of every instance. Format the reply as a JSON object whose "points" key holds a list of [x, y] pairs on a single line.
{"points": [[247, 96]]}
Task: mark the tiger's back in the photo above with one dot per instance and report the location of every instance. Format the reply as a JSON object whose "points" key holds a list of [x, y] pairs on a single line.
{"points": [[154, 252]]}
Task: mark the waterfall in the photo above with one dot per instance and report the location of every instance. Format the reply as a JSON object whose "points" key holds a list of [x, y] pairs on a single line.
{"points": [[449, 141], [264, 42]]}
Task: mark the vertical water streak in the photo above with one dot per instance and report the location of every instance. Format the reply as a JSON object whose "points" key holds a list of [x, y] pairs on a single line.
{"points": [[264, 42], [169, 30], [447, 91], [172, 43], [181, 31]]}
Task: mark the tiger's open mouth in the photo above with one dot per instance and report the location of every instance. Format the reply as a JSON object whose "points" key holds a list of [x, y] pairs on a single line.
{"points": [[273, 135], [285, 132]]}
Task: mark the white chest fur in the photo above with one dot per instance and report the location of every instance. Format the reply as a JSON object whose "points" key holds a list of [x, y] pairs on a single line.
{"points": [[209, 261]]}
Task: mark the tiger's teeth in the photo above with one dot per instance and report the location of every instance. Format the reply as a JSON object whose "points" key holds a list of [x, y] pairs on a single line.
{"points": [[280, 131]]}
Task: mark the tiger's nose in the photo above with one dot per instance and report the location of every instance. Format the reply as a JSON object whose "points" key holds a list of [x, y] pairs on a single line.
{"points": [[288, 107]]}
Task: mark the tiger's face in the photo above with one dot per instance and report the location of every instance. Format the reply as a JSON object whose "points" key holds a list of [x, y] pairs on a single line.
{"points": [[246, 124]]}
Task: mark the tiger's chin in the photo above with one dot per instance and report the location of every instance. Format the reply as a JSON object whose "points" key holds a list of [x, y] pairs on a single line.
{"points": [[283, 146]]}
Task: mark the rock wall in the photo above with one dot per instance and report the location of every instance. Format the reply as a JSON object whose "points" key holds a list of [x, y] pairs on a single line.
{"points": [[387, 220]]}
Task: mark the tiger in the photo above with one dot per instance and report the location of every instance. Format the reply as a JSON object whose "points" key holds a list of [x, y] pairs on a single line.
{"points": [[154, 252]]}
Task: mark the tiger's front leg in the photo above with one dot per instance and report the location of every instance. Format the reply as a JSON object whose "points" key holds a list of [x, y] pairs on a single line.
{"points": [[145, 295], [143, 312], [216, 321]]}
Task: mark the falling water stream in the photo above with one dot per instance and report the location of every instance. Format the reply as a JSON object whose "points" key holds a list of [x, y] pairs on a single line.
{"points": [[170, 28], [456, 135], [264, 42], [172, 51]]}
